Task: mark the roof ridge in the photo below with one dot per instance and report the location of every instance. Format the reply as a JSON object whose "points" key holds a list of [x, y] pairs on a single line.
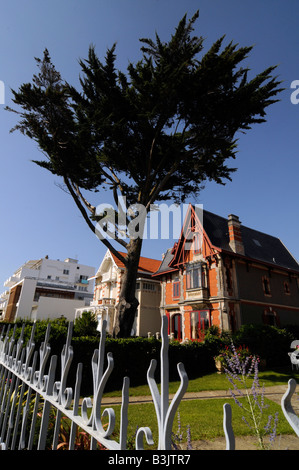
{"points": [[242, 225]]}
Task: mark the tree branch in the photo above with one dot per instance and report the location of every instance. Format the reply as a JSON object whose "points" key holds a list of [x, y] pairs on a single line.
{"points": [[88, 221], [158, 188], [89, 206]]}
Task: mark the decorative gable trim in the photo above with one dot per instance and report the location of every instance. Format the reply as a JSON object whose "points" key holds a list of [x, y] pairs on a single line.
{"points": [[192, 228]]}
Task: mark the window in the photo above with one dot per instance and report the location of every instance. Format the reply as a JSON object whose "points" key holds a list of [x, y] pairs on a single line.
{"points": [[270, 317], [66, 271], [200, 321], [149, 286], [286, 288], [176, 288], [266, 286], [197, 243], [228, 279], [196, 276]]}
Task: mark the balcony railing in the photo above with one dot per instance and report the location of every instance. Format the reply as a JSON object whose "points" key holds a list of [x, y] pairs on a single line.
{"points": [[104, 301], [11, 281], [199, 294], [108, 277]]}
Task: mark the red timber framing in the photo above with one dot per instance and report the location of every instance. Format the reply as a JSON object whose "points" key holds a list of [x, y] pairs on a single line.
{"points": [[187, 305], [193, 238]]}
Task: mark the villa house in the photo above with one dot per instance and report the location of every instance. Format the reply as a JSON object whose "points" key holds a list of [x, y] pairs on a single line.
{"points": [[225, 274], [108, 280]]}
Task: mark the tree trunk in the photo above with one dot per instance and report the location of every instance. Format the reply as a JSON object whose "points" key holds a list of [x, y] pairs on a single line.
{"points": [[127, 306]]}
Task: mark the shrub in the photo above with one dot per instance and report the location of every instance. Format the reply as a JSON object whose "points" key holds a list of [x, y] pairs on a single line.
{"points": [[268, 342], [86, 325]]}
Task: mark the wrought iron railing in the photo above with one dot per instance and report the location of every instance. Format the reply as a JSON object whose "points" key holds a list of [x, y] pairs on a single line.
{"points": [[30, 392]]}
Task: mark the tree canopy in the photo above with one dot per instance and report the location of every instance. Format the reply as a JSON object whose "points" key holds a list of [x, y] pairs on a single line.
{"points": [[158, 131]]}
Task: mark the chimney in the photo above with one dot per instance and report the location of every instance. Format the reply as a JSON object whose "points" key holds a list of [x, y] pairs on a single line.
{"points": [[235, 235]]}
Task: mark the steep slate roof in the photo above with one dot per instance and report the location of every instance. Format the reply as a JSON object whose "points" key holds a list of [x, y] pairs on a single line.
{"points": [[257, 245], [164, 266]]}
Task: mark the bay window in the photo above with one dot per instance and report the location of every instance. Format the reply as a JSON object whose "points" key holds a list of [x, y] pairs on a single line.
{"points": [[196, 276]]}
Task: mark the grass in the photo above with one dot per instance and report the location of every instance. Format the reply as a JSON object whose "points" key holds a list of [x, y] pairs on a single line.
{"points": [[215, 381], [205, 417]]}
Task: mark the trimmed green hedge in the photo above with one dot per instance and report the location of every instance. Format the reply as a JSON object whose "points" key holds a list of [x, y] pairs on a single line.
{"points": [[132, 356]]}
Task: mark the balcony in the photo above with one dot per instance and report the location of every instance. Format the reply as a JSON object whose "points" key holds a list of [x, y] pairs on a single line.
{"points": [[200, 294], [4, 295], [109, 277], [106, 301], [11, 281]]}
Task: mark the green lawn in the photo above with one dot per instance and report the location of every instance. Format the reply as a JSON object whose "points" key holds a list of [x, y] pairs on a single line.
{"points": [[205, 417], [216, 381]]}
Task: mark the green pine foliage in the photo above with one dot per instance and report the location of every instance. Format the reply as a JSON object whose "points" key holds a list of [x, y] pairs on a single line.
{"points": [[158, 131]]}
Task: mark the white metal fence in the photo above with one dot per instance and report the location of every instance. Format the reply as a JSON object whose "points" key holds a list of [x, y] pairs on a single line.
{"points": [[31, 395]]}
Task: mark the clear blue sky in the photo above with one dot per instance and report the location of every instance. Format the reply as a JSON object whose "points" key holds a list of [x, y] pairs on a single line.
{"points": [[38, 218]]}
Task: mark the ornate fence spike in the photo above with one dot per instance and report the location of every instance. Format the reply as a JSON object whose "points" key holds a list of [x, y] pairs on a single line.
{"points": [[227, 427], [287, 408], [165, 412], [65, 395], [29, 392]]}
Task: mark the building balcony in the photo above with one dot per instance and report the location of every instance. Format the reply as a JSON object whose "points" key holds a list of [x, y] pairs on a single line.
{"points": [[4, 295], [109, 277], [55, 284], [11, 281], [106, 301], [197, 295]]}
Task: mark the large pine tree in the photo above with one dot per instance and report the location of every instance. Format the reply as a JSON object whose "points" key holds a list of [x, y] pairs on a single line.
{"points": [[157, 132]]}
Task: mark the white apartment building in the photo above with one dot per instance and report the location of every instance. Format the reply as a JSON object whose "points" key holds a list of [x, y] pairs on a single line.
{"points": [[47, 289]]}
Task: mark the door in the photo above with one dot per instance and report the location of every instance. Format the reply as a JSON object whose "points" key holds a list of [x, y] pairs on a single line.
{"points": [[176, 326]]}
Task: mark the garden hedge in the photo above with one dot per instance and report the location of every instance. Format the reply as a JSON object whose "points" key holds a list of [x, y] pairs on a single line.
{"points": [[132, 356]]}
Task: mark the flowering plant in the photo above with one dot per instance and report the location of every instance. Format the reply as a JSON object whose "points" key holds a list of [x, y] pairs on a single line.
{"points": [[250, 399], [225, 354]]}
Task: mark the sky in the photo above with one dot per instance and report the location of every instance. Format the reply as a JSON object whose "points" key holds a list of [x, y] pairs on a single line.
{"points": [[37, 218]]}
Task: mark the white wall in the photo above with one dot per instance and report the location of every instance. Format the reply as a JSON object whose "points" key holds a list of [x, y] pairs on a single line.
{"points": [[26, 299], [51, 308], [55, 268]]}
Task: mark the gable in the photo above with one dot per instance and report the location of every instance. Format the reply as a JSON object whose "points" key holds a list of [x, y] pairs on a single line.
{"points": [[193, 239]]}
